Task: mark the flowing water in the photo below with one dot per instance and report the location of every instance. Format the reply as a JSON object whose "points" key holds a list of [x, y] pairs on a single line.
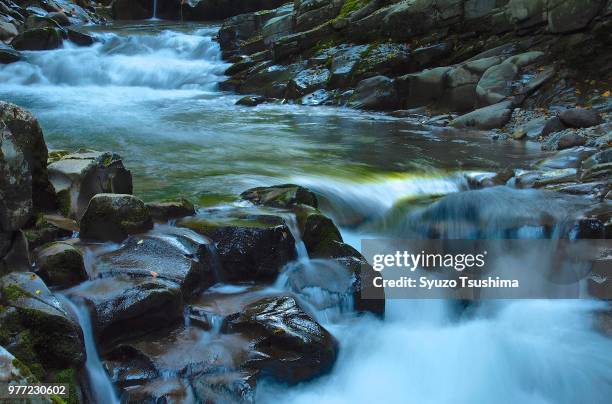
{"points": [[150, 92]]}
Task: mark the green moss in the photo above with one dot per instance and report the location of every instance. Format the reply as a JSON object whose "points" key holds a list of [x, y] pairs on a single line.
{"points": [[63, 199], [69, 377], [12, 293], [215, 199], [351, 5]]}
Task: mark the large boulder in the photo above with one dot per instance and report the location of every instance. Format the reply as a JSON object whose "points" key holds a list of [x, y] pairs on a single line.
{"points": [[495, 85], [249, 246], [175, 255], [376, 93], [77, 177], [38, 39], [60, 264], [571, 15], [113, 217], [426, 87], [36, 327], [122, 307], [8, 31], [491, 117], [580, 117], [167, 210], [307, 81], [295, 347], [28, 136], [132, 9]]}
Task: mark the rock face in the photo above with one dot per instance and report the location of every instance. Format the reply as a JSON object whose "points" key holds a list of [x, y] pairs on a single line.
{"points": [[250, 247], [114, 216], [77, 177], [295, 347], [60, 264], [28, 136], [35, 326]]}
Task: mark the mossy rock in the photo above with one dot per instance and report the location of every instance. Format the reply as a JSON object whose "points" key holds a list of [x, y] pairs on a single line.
{"points": [[172, 209], [112, 217], [36, 327], [49, 228], [60, 264], [281, 196], [319, 233]]}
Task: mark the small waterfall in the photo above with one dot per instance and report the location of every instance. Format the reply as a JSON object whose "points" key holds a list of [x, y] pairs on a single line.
{"points": [[102, 390], [300, 247], [154, 10]]}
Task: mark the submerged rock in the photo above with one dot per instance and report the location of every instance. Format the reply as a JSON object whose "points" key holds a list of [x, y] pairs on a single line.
{"points": [[251, 100], [113, 217], [77, 177], [250, 247], [295, 347], [36, 327], [280, 196], [60, 264]]}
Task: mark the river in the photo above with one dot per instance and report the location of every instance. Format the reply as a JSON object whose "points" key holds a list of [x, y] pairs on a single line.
{"points": [[150, 93]]}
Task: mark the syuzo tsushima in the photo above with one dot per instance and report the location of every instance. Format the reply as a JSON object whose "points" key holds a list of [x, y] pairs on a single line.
{"points": [[186, 188]]}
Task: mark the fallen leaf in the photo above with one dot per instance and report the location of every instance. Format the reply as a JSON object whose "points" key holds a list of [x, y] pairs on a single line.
{"points": [[37, 291], [606, 94], [154, 274]]}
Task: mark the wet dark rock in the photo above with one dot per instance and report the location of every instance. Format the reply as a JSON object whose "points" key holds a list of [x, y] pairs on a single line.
{"points": [[124, 307], [553, 125], [251, 100], [36, 327], [132, 10], [597, 166], [568, 158], [167, 210], [491, 117], [580, 118], [28, 136], [38, 39], [178, 256], [319, 233], [77, 177], [8, 54], [14, 372], [79, 37], [59, 17], [250, 247], [281, 196], [385, 59], [539, 179], [8, 31], [113, 217], [375, 93], [60, 264], [295, 347], [307, 81], [15, 253], [422, 88], [564, 140], [531, 130], [571, 15], [343, 65]]}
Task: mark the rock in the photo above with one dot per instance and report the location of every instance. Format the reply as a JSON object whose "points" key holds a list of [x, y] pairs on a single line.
{"points": [[281, 196], [8, 31], [34, 21], [29, 138], [580, 118], [77, 177], [532, 129], [38, 39], [295, 347], [568, 158], [277, 27], [598, 165], [309, 18], [552, 125], [15, 185], [343, 65], [80, 38], [539, 179], [15, 254], [8, 54], [213, 10], [571, 15], [525, 13], [14, 372], [250, 247], [491, 117], [376, 93], [319, 233], [386, 59], [132, 10], [271, 81], [495, 84], [525, 59], [176, 255], [124, 307], [113, 217], [422, 88], [167, 210], [60, 264], [49, 228], [251, 100], [307, 81], [59, 17], [563, 140], [36, 327]]}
